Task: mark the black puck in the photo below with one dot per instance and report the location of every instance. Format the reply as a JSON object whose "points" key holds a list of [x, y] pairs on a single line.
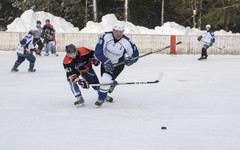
{"points": [[164, 128]]}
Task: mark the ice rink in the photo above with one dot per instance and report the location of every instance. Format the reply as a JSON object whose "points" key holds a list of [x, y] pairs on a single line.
{"points": [[198, 102]]}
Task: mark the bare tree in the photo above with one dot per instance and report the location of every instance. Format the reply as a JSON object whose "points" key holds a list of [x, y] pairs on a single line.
{"points": [[162, 15], [95, 14], [126, 10], [194, 10], [200, 15], [86, 11]]}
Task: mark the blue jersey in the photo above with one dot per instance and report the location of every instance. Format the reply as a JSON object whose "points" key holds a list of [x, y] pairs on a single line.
{"points": [[109, 48]]}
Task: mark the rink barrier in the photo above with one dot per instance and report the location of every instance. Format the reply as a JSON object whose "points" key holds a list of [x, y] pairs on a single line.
{"points": [[144, 42]]}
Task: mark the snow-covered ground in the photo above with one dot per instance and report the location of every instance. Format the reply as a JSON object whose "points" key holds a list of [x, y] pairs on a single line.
{"points": [[198, 102]]}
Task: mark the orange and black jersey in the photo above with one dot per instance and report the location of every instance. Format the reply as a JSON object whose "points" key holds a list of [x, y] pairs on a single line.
{"points": [[82, 62], [48, 32]]}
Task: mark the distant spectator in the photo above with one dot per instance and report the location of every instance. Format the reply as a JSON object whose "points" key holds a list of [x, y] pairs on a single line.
{"points": [[37, 38]]}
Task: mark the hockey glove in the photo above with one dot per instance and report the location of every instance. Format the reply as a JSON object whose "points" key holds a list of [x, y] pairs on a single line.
{"points": [[210, 44], [128, 61], [199, 38], [83, 83], [95, 61], [37, 51], [73, 78], [107, 64]]}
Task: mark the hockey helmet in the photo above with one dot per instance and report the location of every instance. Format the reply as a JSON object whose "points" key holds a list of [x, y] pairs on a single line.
{"points": [[119, 26], [47, 20], [208, 26], [70, 49]]}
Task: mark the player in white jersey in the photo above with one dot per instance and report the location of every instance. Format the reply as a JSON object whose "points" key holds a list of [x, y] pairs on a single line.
{"points": [[25, 49], [113, 47], [209, 39]]}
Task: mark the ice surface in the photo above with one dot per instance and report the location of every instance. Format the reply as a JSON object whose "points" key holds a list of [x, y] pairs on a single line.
{"points": [[197, 101]]}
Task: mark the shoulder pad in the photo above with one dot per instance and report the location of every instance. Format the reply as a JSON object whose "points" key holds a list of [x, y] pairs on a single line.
{"points": [[67, 60]]}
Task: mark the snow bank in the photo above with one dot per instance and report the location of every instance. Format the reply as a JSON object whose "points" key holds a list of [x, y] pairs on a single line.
{"points": [[29, 18], [168, 28]]}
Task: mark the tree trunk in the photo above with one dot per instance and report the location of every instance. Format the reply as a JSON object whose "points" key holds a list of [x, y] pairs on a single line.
{"points": [[86, 11], [162, 15], [95, 14], [200, 16], [194, 10], [126, 10]]}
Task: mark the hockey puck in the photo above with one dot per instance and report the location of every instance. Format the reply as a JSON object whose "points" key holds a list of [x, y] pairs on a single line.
{"points": [[164, 128]]}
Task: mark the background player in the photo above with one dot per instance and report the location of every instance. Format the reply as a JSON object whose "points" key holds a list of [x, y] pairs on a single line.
{"points": [[111, 49], [209, 39], [24, 51], [48, 33], [37, 37]]}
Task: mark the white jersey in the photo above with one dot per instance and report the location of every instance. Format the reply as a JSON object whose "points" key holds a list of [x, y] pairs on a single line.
{"points": [[108, 48], [27, 41], [208, 36]]}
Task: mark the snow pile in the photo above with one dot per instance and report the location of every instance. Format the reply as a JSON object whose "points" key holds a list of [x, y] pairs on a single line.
{"points": [[29, 18], [171, 28]]}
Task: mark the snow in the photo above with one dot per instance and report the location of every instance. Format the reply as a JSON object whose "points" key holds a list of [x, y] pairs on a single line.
{"points": [[198, 102], [29, 18], [168, 28]]}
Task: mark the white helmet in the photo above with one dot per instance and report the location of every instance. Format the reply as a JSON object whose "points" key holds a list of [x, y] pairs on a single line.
{"points": [[208, 26], [119, 26], [33, 28]]}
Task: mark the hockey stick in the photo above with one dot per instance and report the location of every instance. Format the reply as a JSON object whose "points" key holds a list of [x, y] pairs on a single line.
{"points": [[37, 41], [214, 45], [128, 83], [158, 50]]}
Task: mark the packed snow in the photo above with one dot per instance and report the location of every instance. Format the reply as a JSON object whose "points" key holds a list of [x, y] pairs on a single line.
{"points": [[29, 18], [198, 102]]}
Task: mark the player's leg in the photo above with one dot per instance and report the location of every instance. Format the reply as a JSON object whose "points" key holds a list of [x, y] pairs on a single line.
{"points": [[46, 48], [53, 46], [91, 78], [77, 93], [107, 78], [40, 46], [206, 46], [31, 58], [17, 63], [117, 70]]}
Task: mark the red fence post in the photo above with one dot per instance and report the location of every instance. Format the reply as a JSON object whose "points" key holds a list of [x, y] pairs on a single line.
{"points": [[173, 41]]}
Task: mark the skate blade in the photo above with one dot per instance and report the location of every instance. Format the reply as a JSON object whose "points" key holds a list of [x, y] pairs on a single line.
{"points": [[80, 105]]}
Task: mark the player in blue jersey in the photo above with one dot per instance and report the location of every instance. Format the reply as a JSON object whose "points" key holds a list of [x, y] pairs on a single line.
{"points": [[209, 39], [112, 48], [25, 49]]}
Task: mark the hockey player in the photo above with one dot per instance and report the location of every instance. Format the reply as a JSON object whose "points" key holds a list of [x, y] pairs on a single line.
{"points": [[78, 62], [209, 39], [37, 38], [113, 47], [48, 33], [25, 49]]}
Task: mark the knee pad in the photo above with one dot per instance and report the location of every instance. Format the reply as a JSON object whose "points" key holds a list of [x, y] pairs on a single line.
{"points": [[106, 78]]}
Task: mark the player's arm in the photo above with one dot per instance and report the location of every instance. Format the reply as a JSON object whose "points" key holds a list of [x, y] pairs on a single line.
{"points": [[99, 49], [132, 52]]}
